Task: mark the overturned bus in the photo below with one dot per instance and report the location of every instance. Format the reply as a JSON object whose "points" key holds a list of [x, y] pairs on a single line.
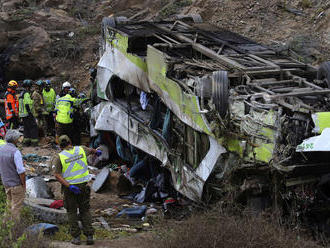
{"points": [[205, 100]]}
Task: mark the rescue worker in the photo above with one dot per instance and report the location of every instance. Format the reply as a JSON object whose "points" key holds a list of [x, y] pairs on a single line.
{"points": [[26, 112], [64, 113], [84, 117], [11, 105], [71, 170], [65, 88], [38, 103], [12, 172], [76, 117], [49, 97]]}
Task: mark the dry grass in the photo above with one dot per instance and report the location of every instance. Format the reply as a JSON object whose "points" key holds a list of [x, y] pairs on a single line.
{"points": [[215, 229]]}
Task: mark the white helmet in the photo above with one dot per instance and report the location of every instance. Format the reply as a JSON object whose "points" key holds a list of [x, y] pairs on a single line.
{"points": [[66, 85]]}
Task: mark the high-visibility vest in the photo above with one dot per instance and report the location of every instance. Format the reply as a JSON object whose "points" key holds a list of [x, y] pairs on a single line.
{"points": [[24, 100], [10, 97], [64, 108], [74, 165], [49, 99]]}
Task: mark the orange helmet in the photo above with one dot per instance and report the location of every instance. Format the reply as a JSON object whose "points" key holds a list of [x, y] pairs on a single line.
{"points": [[13, 84]]}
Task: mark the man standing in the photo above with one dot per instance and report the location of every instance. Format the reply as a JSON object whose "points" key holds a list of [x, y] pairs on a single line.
{"points": [[71, 170], [76, 117], [64, 113], [49, 97], [11, 105], [26, 112], [12, 172], [38, 102]]}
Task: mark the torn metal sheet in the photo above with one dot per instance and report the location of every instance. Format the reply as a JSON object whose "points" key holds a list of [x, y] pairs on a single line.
{"points": [[321, 121], [184, 105], [114, 118], [36, 187], [114, 60], [320, 143], [100, 179], [191, 183], [187, 181]]}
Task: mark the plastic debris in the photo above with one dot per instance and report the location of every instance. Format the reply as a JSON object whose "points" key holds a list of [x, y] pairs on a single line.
{"points": [[136, 212], [151, 211], [57, 204], [36, 187], [47, 229], [32, 157], [110, 211], [104, 223], [146, 225], [100, 179]]}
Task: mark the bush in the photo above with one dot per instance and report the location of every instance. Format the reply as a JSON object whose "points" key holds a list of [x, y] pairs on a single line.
{"points": [[12, 234], [215, 229]]}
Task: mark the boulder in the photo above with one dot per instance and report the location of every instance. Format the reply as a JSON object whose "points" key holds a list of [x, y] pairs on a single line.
{"points": [[3, 35], [54, 19], [27, 53], [11, 5]]}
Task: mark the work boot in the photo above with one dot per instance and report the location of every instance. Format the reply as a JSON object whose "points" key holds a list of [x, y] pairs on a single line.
{"points": [[76, 241], [90, 240]]}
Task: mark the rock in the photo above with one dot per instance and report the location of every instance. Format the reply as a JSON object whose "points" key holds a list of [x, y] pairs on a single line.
{"points": [[4, 16], [28, 52], [11, 5], [54, 19], [3, 35]]}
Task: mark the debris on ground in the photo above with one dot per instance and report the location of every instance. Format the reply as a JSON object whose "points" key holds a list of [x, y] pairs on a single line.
{"points": [[45, 228], [36, 187], [32, 157]]}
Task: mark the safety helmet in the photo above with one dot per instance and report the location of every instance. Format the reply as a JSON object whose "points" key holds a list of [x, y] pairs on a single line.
{"points": [[27, 83], [66, 85], [47, 82], [12, 83], [39, 83]]}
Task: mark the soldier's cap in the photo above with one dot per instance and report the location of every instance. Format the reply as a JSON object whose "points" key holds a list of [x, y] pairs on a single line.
{"points": [[64, 139], [12, 135]]}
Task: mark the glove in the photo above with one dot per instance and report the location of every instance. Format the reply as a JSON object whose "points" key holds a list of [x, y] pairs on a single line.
{"points": [[74, 189], [98, 153]]}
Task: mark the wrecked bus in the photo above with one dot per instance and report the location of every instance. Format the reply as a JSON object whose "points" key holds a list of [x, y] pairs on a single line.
{"points": [[205, 100]]}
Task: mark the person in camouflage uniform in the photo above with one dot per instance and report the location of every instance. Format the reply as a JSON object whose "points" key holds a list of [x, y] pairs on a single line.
{"points": [[38, 102], [71, 170]]}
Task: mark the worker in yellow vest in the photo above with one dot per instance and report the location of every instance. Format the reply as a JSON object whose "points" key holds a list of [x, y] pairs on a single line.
{"points": [[71, 170], [49, 97], [64, 112], [27, 114]]}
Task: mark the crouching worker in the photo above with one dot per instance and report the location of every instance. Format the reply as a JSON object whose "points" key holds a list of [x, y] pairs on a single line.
{"points": [[71, 170], [12, 172]]}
